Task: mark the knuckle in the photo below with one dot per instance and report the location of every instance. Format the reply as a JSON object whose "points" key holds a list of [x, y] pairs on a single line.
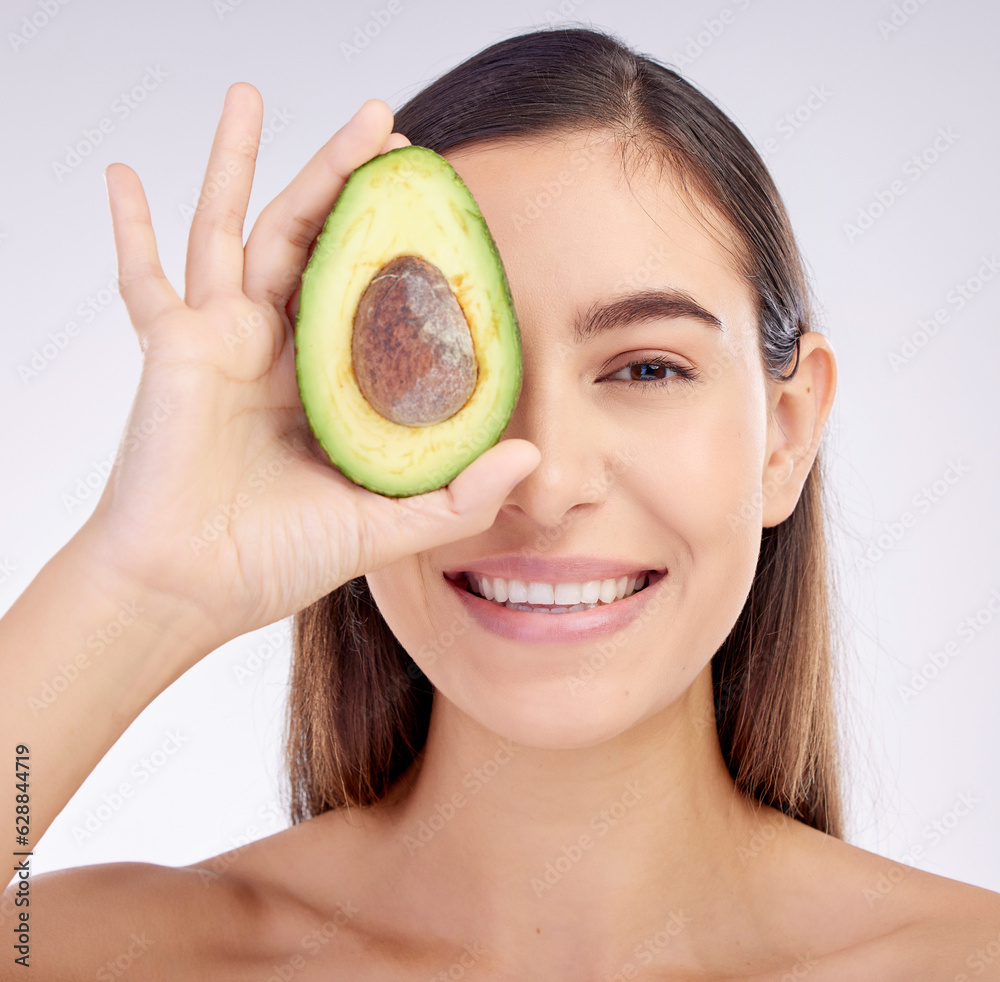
{"points": [[137, 272], [301, 232], [248, 149], [223, 218]]}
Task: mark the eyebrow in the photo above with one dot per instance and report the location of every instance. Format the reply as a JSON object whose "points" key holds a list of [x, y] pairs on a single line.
{"points": [[642, 305]]}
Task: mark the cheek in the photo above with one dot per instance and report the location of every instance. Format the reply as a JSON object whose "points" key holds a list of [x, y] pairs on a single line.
{"points": [[398, 591], [418, 612], [702, 483]]}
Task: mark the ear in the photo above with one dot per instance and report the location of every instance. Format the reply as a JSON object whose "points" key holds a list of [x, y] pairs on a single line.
{"points": [[797, 413]]}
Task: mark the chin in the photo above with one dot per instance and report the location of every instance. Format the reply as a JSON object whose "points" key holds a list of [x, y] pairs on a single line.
{"points": [[547, 716]]}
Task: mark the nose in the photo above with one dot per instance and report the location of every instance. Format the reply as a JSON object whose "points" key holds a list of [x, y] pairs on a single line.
{"points": [[572, 479]]}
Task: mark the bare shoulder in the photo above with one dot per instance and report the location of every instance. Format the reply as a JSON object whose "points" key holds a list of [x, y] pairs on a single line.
{"points": [[142, 920], [953, 935], [280, 906], [896, 921], [952, 929]]}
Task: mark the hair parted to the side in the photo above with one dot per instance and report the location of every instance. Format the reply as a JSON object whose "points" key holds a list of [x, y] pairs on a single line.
{"points": [[359, 706]]}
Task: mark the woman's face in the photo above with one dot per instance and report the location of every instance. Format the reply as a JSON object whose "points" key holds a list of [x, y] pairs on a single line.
{"points": [[640, 468]]}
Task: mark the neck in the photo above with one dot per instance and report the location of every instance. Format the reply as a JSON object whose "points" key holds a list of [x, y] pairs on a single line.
{"points": [[567, 857]]}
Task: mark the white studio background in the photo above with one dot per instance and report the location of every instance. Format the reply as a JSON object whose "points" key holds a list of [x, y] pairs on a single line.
{"points": [[878, 119]]}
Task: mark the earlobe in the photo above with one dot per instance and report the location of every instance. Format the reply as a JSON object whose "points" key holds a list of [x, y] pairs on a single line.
{"points": [[798, 411]]}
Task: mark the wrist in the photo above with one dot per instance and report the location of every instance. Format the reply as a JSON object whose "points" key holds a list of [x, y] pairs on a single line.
{"points": [[178, 626]]}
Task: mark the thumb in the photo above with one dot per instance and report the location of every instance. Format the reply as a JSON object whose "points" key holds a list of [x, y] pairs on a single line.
{"points": [[479, 490], [465, 507]]}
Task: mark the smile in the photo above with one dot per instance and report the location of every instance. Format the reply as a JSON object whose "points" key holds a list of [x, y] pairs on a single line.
{"points": [[554, 598]]}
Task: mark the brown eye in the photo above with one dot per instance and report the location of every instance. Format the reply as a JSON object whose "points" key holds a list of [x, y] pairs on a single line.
{"points": [[652, 373]]}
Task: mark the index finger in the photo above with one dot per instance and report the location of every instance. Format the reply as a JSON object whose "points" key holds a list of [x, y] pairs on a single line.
{"points": [[276, 251]]}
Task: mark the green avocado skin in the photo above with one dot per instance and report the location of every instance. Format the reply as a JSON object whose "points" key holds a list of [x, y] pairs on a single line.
{"points": [[408, 201]]}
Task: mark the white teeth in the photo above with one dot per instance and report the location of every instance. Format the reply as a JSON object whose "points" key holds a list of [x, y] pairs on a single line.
{"points": [[567, 593], [517, 591], [556, 597], [541, 593]]}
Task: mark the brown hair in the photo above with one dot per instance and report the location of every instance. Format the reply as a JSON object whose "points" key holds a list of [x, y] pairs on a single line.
{"points": [[359, 706]]}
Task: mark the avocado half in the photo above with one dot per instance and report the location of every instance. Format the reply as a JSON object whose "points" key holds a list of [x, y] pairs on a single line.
{"points": [[408, 202]]}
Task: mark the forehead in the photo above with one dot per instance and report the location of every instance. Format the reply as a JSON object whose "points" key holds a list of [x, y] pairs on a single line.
{"points": [[574, 226]]}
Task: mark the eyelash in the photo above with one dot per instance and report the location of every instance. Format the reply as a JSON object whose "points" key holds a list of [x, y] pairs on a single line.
{"points": [[680, 373]]}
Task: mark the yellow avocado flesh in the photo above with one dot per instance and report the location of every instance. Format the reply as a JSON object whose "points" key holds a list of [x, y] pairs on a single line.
{"points": [[408, 201]]}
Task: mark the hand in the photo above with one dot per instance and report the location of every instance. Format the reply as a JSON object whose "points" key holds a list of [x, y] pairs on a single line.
{"points": [[220, 497]]}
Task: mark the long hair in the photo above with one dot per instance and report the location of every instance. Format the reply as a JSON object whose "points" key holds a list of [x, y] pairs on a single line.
{"points": [[359, 706]]}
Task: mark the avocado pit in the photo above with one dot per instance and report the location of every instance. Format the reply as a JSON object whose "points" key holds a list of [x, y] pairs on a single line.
{"points": [[411, 346]]}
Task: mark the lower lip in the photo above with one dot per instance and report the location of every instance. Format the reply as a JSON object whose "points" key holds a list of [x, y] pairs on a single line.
{"points": [[581, 625]]}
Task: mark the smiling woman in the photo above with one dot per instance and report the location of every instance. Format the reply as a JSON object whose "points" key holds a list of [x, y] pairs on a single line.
{"points": [[571, 717], [692, 651], [664, 174]]}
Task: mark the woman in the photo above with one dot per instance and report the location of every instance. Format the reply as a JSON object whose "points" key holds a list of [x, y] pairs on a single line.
{"points": [[645, 787]]}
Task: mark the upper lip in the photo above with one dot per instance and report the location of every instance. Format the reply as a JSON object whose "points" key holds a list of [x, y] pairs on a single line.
{"points": [[561, 569]]}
